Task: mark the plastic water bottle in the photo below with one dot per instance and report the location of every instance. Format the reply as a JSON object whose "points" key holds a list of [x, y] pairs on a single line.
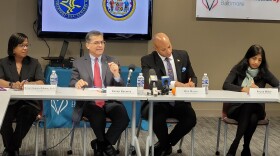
{"points": [[140, 84], [205, 82], [53, 78]]}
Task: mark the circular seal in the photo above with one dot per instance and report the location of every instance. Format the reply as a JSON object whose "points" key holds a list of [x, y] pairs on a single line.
{"points": [[119, 10], [71, 9]]}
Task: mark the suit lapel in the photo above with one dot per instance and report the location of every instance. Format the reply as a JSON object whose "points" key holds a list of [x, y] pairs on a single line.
{"points": [[159, 64], [104, 67], [178, 65], [88, 67], [13, 69]]}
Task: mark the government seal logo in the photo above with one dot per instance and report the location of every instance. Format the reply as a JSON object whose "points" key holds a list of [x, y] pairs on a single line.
{"points": [[119, 10], [71, 9]]}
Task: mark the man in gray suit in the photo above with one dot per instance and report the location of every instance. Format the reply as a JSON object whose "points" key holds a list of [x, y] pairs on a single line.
{"points": [[98, 70]]}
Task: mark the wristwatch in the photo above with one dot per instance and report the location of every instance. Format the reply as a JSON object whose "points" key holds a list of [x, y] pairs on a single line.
{"points": [[11, 84]]}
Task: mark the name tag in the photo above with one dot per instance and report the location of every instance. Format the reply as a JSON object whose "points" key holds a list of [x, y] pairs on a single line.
{"points": [[39, 89], [190, 92], [269, 93], [121, 91]]}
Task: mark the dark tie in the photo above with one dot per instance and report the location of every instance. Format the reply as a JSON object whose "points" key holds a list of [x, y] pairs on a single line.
{"points": [[97, 82], [169, 69]]}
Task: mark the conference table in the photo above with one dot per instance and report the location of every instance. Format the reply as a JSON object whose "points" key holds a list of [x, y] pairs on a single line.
{"points": [[63, 93], [212, 96], [88, 94]]}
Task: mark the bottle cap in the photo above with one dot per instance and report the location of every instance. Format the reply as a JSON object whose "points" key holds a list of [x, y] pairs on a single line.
{"points": [[140, 74], [205, 73]]}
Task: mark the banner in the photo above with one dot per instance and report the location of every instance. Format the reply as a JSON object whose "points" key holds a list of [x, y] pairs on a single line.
{"points": [[239, 9]]}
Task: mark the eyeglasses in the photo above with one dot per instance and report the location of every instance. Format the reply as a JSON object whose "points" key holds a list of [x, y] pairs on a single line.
{"points": [[24, 45], [98, 42]]}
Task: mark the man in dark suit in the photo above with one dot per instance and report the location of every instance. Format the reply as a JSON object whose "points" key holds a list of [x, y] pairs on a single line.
{"points": [[175, 64], [98, 70]]}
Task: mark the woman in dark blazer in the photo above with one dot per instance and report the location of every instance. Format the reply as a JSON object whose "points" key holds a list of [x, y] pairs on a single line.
{"points": [[16, 70], [251, 72]]}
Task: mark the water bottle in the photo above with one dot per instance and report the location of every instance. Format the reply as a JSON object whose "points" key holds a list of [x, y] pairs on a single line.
{"points": [[53, 78], [205, 82], [140, 84]]}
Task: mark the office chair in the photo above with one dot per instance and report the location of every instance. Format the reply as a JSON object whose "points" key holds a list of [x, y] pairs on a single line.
{"points": [[85, 120], [226, 121], [170, 121]]}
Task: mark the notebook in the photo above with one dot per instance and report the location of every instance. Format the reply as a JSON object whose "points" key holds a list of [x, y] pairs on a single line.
{"points": [[62, 52]]}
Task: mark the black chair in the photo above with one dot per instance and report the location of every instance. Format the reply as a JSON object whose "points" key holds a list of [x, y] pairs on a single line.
{"points": [[227, 121]]}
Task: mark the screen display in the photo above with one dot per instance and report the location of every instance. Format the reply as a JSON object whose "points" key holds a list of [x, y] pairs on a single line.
{"points": [[117, 19]]}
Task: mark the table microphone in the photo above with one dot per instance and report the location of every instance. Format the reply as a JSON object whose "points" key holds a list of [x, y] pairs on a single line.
{"points": [[131, 68], [153, 82]]}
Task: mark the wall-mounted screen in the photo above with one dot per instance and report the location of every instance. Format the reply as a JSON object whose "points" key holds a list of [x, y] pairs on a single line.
{"points": [[117, 19]]}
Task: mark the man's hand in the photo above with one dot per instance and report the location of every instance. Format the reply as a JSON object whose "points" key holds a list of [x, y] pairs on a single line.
{"points": [[190, 83], [114, 68], [80, 84]]}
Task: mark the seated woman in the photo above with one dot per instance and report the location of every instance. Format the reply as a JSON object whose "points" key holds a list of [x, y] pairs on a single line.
{"points": [[250, 72], [16, 70]]}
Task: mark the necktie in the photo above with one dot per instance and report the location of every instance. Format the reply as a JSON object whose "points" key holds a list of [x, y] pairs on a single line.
{"points": [[97, 82], [170, 74], [169, 69]]}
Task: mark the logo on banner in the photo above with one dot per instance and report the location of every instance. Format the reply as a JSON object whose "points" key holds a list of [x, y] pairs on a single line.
{"points": [[210, 4], [71, 9], [59, 105], [119, 10]]}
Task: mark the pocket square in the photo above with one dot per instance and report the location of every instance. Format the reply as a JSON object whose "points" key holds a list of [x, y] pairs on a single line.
{"points": [[184, 69]]}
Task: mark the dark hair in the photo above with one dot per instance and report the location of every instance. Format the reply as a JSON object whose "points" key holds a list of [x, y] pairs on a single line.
{"points": [[14, 41], [93, 33], [251, 52]]}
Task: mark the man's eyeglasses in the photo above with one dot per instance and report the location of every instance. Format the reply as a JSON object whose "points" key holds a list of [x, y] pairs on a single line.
{"points": [[24, 45], [98, 42]]}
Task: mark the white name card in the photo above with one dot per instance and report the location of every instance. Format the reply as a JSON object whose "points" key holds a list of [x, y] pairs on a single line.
{"points": [[270, 93], [121, 91], [39, 89], [190, 92]]}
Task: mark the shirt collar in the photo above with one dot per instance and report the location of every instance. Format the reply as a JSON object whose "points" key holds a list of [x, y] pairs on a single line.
{"points": [[163, 58]]}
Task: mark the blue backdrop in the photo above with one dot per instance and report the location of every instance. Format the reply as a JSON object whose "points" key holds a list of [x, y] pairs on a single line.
{"points": [[58, 113]]}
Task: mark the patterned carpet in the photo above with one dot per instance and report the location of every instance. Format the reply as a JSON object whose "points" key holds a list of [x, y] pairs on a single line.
{"points": [[205, 140]]}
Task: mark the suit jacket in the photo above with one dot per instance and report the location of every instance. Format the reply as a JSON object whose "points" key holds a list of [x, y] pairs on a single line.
{"points": [[31, 70], [182, 63], [82, 70], [235, 78]]}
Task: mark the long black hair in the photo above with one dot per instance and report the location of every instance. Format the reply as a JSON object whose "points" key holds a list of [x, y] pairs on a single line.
{"points": [[254, 50], [14, 41]]}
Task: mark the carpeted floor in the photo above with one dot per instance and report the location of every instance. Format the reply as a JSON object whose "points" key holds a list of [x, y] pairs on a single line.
{"points": [[205, 140]]}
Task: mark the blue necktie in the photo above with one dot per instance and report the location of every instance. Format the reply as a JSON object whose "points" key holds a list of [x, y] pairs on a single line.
{"points": [[169, 69]]}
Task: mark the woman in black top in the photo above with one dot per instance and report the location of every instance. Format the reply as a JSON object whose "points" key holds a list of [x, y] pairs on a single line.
{"points": [[16, 70], [251, 72]]}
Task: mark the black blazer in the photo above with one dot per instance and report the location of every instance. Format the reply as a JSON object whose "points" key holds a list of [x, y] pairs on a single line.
{"points": [[182, 63], [235, 78], [31, 70]]}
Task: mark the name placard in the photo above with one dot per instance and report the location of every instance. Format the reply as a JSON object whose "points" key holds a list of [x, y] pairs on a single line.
{"points": [[270, 93], [190, 92], [121, 91], [39, 89]]}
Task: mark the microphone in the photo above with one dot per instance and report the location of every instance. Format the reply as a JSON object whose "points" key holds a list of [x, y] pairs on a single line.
{"points": [[153, 82], [165, 81], [131, 68]]}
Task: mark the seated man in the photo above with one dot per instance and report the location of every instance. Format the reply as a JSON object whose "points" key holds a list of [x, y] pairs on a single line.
{"points": [[175, 64], [98, 70]]}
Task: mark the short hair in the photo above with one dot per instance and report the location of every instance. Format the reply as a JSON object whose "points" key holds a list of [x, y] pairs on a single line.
{"points": [[14, 41], [93, 33]]}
